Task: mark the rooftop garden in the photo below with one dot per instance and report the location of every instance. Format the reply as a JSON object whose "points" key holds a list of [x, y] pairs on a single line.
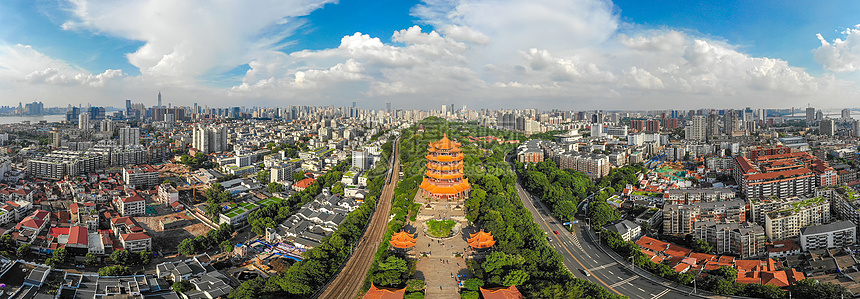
{"points": [[808, 202]]}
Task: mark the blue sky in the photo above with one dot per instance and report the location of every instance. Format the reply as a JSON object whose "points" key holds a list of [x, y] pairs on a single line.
{"points": [[563, 54]]}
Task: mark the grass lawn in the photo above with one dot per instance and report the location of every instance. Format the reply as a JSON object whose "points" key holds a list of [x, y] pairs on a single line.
{"points": [[440, 229]]}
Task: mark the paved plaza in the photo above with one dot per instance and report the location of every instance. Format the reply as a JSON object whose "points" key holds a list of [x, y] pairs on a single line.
{"points": [[441, 270]]}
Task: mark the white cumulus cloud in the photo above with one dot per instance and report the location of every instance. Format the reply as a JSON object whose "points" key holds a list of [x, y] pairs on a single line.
{"points": [[841, 55], [186, 39]]}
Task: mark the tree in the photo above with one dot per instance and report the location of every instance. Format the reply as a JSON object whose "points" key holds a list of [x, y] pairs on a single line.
{"points": [[415, 295], [414, 285], [702, 246], [515, 277], [91, 259], [214, 191], [602, 213], [473, 284], [23, 251], [337, 188], [470, 295], [263, 176], [298, 176], [144, 257], [566, 209], [275, 187], [52, 262], [7, 243], [121, 257], [61, 255], [226, 246], [187, 247], [810, 288], [390, 272], [182, 286], [170, 182], [116, 270]]}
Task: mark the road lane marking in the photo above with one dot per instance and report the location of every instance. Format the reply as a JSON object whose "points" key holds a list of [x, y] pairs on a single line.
{"points": [[641, 290], [603, 267], [520, 191], [615, 285], [660, 294]]}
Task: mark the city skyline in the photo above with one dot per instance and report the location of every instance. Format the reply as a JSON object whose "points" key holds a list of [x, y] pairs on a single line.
{"points": [[582, 55]]}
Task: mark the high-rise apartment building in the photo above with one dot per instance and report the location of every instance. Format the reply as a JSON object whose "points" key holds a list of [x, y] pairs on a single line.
{"points": [[84, 121], [697, 130], [680, 219], [827, 127], [210, 139], [810, 116], [787, 223], [129, 136]]}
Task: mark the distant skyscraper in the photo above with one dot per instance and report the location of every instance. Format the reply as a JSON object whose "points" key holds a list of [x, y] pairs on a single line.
{"points": [[810, 116], [444, 109], [159, 99], [353, 104], [387, 107], [846, 114]]}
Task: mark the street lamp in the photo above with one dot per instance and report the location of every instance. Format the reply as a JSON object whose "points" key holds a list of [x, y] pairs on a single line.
{"points": [[631, 262]]}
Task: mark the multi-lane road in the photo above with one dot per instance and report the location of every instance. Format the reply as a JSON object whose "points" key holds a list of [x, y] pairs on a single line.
{"points": [[581, 256], [349, 280]]}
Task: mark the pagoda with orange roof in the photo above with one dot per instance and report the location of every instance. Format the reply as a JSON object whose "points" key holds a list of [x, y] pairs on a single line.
{"points": [[444, 177], [481, 240], [402, 240]]}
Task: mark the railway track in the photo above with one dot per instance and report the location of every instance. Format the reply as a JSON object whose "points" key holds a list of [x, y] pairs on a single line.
{"points": [[348, 282]]}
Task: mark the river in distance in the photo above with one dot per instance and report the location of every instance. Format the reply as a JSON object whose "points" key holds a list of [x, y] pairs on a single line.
{"points": [[33, 118]]}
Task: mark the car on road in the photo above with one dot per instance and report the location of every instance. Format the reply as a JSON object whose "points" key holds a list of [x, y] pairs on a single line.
{"points": [[556, 232], [584, 272], [548, 239]]}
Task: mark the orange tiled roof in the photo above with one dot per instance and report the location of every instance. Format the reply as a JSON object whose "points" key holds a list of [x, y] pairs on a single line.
{"points": [[675, 250], [481, 239], [384, 293], [463, 185], [510, 292], [651, 244], [402, 240]]}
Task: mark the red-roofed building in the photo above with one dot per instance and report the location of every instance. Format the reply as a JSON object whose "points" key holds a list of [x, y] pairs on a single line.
{"points": [[702, 257], [781, 249], [782, 174], [136, 242], [681, 268], [652, 244], [675, 250], [134, 205], [77, 238], [303, 184], [777, 278], [749, 265], [143, 176], [31, 226]]}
